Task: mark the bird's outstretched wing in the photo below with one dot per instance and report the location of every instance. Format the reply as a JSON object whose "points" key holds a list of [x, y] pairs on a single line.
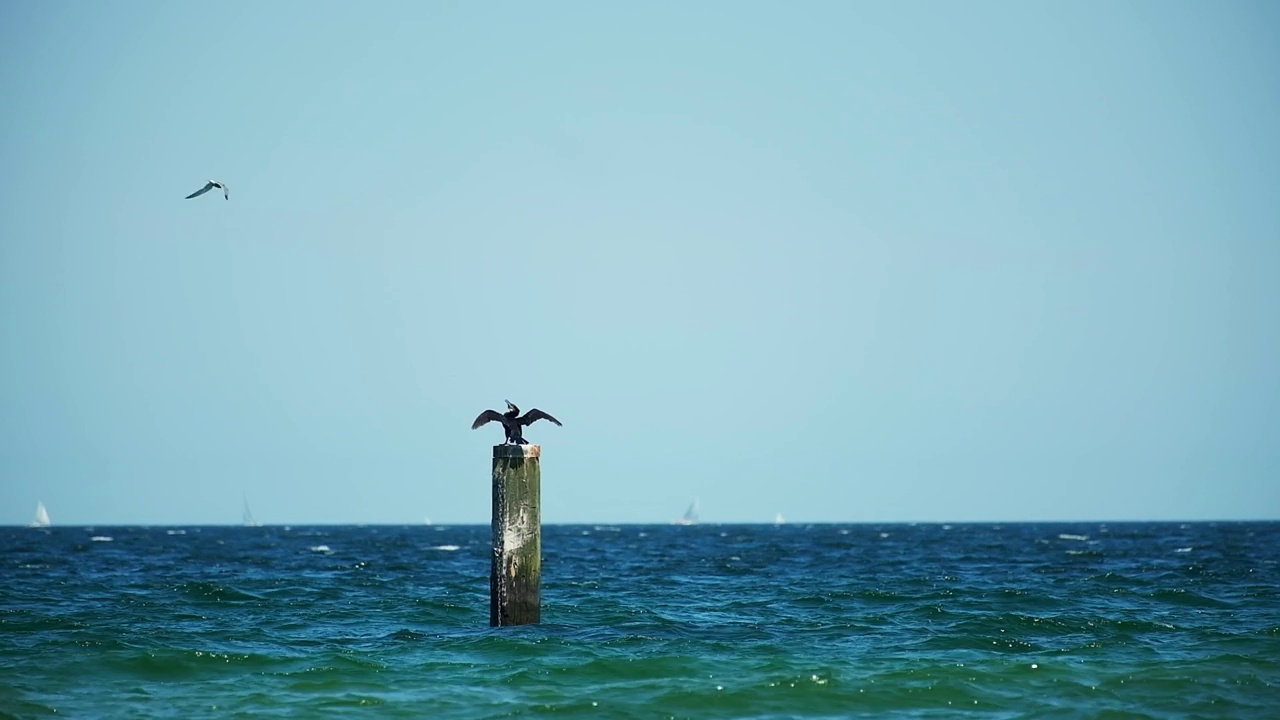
{"points": [[207, 187], [486, 416], [226, 192], [536, 414]]}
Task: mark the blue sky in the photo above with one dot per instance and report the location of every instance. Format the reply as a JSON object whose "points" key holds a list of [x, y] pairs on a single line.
{"points": [[843, 261]]}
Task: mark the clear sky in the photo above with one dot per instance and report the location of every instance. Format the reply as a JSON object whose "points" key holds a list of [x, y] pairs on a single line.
{"points": [[846, 261]]}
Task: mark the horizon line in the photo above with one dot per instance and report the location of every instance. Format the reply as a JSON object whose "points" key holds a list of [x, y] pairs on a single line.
{"points": [[647, 524]]}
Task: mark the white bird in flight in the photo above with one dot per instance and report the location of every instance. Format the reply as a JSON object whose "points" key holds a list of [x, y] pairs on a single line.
{"points": [[209, 186]]}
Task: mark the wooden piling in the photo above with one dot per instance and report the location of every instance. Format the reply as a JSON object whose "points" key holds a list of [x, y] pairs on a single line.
{"points": [[515, 575]]}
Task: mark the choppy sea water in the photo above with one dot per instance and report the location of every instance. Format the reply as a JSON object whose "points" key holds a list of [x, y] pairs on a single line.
{"points": [[730, 621]]}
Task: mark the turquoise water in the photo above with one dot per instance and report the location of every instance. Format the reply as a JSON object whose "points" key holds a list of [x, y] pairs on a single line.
{"points": [[732, 621]]}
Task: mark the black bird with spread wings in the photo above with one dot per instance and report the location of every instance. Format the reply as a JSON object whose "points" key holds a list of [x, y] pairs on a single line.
{"points": [[226, 194], [512, 421]]}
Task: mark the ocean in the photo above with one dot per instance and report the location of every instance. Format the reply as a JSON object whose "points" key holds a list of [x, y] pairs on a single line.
{"points": [[1040, 620]]}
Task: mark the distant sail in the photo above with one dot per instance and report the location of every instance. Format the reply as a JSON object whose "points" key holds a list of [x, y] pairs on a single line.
{"points": [[248, 516], [778, 519], [42, 516], [690, 515]]}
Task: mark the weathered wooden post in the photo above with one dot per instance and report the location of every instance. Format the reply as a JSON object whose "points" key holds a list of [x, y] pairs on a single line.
{"points": [[516, 573]]}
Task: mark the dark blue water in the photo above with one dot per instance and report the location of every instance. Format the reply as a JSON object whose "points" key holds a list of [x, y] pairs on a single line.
{"points": [[733, 621]]}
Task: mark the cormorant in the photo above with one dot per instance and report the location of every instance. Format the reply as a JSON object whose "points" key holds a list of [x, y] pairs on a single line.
{"points": [[226, 194], [512, 421]]}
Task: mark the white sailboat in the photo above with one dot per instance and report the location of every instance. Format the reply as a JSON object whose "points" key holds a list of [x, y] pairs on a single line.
{"points": [[778, 519], [248, 516], [42, 516], [690, 515]]}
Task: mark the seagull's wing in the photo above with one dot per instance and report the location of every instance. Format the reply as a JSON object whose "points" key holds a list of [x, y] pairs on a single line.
{"points": [[207, 187], [485, 417], [226, 192], [536, 414]]}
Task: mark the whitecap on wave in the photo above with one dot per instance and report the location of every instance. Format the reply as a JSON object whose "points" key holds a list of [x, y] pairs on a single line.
{"points": [[101, 538], [320, 549], [447, 548]]}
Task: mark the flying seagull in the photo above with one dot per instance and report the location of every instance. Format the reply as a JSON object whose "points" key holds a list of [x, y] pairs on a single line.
{"points": [[209, 186], [512, 422]]}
